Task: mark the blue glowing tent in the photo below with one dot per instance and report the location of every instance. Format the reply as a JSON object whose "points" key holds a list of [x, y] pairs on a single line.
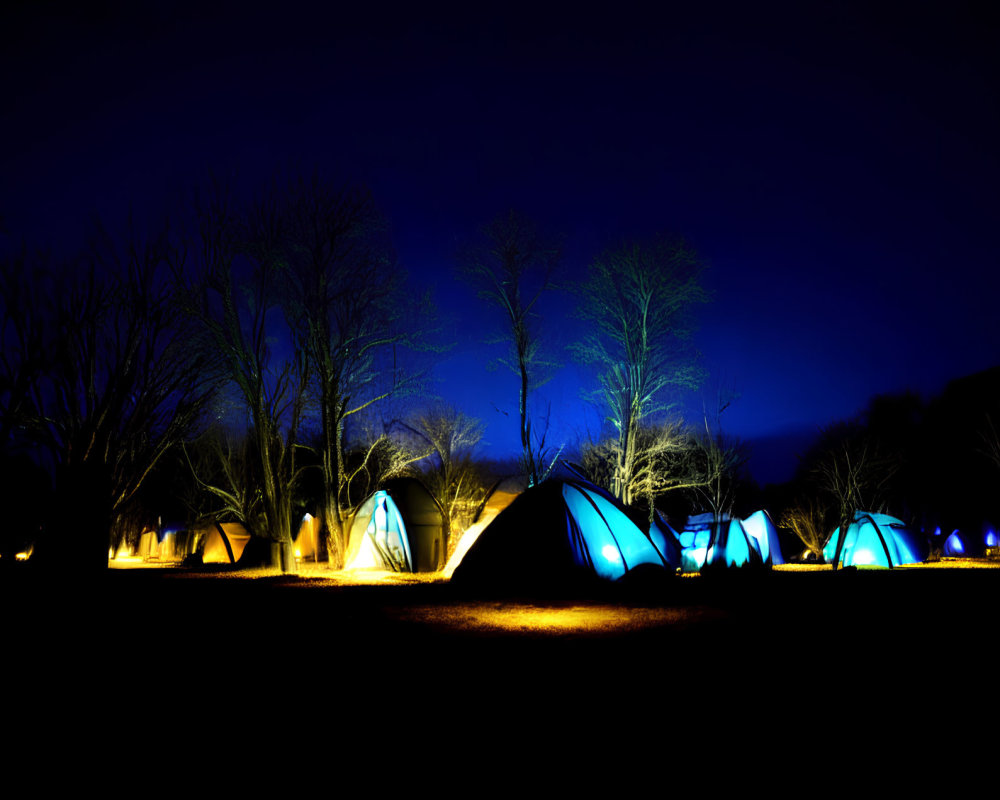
{"points": [[398, 528], [760, 527], [557, 532], [708, 541], [877, 540], [667, 542], [960, 544]]}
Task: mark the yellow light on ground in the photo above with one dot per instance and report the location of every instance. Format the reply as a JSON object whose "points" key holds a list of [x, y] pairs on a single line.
{"points": [[517, 618]]}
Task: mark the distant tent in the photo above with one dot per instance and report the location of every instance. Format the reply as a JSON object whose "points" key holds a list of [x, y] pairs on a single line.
{"points": [[149, 544], [717, 542], [876, 540], [168, 544], [555, 532], [306, 545], [955, 546], [399, 528], [962, 545]]}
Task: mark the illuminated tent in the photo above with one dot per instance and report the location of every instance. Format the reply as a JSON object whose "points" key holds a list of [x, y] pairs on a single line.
{"points": [[213, 546], [876, 540], [760, 527], [306, 544], [667, 541], [962, 545], [169, 544], [555, 533], [399, 528], [723, 542]]}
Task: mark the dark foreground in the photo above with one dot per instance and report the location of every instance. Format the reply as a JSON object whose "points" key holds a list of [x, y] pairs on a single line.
{"points": [[289, 663]]}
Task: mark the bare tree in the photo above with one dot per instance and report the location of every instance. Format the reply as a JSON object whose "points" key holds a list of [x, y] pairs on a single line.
{"points": [[26, 349], [348, 291], [449, 472], [638, 300], [512, 269], [222, 466], [853, 473], [236, 297], [120, 386], [665, 461], [806, 520]]}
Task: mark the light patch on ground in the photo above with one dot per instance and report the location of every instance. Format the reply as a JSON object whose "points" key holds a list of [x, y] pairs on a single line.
{"points": [[525, 618]]}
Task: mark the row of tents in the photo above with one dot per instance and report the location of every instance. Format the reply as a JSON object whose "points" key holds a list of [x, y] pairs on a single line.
{"points": [[558, 530]]}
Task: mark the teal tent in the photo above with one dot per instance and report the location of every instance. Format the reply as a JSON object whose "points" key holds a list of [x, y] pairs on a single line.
{"points": [[875, 540], [667, 541], [760, 527], [557, 532], [717, 542], [399, 528]]}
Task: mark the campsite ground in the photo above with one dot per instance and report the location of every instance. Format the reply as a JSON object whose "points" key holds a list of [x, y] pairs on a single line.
{"points": [[266, 654]]}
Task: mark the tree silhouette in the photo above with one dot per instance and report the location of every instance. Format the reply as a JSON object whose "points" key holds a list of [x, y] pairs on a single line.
{"points": [[236, 282], [449, 472], [117, 385], [348, 293], [512, 268], [638, 300]]}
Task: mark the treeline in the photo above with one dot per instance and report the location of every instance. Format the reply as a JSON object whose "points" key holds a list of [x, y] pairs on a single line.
{"points": [[934, 464], [268, 358]]}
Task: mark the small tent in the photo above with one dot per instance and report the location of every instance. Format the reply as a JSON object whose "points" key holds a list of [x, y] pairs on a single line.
{"points": [[960, 544], [557, 532], [876, 540], [399, 528], [306, 544], [168, 544], [710, 541], [214, 548]]}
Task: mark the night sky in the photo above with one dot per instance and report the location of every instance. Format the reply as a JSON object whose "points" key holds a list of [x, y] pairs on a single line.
{"points": [[836, 167]]}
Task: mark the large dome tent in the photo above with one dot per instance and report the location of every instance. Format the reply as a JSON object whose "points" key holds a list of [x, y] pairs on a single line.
{"points": [[559, 532], [875, 540]]}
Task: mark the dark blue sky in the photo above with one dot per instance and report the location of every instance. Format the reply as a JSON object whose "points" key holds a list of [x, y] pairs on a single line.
{"points": [[835, 165]]}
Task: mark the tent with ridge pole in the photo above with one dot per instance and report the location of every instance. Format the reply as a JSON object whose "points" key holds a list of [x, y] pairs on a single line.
{"points": [[875, 540], [556, 533], [707, 541]]}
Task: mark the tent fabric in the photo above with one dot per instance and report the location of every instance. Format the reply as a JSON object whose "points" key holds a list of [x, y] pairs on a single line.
{"points": [[876, 540], [762, 529], [214, 549], [556, 532], [378, 537], [667, 541], [399, 528], [306, 544], [708, 541], [168, 544], [962, 544]]}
